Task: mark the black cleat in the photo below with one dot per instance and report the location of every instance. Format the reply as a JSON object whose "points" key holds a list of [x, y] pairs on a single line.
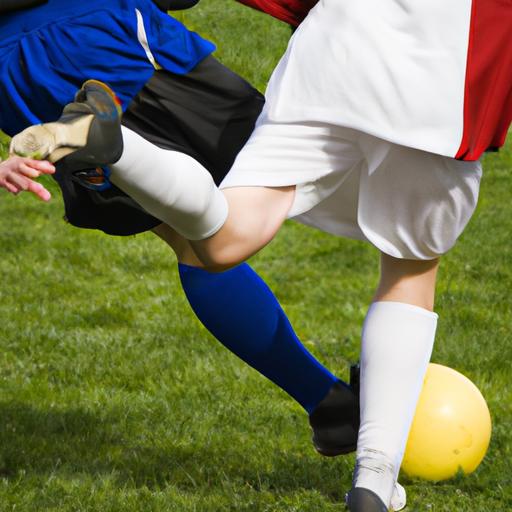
{"points": [[88, 133], [360, 499], [335, 421]]}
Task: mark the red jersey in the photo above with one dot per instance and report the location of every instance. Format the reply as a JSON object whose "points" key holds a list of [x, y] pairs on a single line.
{"points": [[436, 75], [290, 11]]}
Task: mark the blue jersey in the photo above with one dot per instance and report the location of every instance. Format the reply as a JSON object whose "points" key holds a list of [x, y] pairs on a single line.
{"points": [[47, 52]]}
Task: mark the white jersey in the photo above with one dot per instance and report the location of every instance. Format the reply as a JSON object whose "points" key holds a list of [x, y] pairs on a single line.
{"points": [[434, 75]]}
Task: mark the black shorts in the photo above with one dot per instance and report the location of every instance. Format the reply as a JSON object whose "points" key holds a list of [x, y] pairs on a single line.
{"points": [[208, 114]]}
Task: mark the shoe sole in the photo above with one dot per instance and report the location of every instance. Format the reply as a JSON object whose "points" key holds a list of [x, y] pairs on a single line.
{"points": [[54, 141]]}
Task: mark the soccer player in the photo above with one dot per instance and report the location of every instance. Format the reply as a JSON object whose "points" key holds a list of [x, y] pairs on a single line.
{"points": [[176, 95], [375, 121]]}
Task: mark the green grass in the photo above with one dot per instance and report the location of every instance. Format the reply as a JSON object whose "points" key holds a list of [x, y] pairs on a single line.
{"points": [[114, 398]]}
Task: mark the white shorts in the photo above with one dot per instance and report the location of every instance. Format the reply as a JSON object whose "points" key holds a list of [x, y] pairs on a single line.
{"points": [[406, 202]]}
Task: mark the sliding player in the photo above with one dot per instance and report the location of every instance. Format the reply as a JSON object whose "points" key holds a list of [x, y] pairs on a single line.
{"points": [[360, 137], [176, 95]]}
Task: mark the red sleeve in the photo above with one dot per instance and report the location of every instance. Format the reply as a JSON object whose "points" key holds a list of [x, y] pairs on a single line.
{"points": [[290, 11]]}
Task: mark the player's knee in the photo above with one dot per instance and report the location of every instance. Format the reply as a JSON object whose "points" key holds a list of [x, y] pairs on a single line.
{"points": [[218, 265], [222, 253], [221, 259]]}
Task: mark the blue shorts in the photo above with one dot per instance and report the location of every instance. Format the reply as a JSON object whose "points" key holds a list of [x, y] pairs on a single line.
{"points": [[47, 52]]}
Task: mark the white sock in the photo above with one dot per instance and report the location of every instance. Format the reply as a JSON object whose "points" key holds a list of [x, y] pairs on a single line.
{"points": [[171, 186], [397, 343]]}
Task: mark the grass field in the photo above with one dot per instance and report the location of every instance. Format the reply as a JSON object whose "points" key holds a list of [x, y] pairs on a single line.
{"points": [[114, 398]]}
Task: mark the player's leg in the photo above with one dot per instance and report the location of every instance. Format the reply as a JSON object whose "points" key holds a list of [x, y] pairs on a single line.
{"points": [[178, 189], [397, 341], [241, 311], [227, 227], [413, 222]]}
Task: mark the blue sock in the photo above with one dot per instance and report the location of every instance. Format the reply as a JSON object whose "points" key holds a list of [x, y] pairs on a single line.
{"points": [[241, 311]]}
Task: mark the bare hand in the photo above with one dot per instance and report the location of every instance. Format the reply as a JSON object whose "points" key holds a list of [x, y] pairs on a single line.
{"points": [[18, 174]]}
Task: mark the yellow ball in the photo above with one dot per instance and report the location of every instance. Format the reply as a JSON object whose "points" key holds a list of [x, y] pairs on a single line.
{"points": [[451, 428]]}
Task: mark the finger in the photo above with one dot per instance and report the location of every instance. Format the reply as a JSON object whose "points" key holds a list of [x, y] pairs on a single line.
{"points": [[19, 181], [10, 188], [27, 171], [40, 165], [39, 191]]}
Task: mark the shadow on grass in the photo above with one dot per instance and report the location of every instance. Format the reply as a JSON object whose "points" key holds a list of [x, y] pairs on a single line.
{"points": [[77, 442]]}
